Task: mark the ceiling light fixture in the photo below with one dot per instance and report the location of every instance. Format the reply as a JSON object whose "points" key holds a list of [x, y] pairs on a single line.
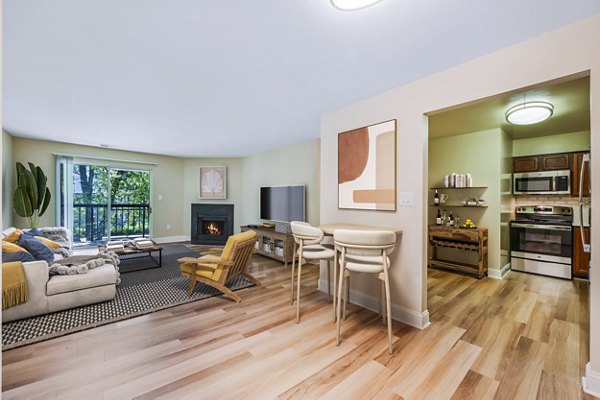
{"points": [[351, 5], [530, 112]]}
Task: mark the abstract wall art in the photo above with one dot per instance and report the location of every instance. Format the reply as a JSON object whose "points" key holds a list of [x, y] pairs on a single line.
{"points": [[213, 183], [367, 167]]}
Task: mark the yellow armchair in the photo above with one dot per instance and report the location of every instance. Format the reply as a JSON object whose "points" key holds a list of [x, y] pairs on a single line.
{"points": [[216, 271]]}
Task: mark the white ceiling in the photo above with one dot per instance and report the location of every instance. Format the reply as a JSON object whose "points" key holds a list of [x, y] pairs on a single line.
{"points": [[200, 78]]}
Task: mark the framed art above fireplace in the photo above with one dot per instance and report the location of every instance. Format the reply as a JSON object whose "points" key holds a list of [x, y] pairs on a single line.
{"points": [[212, 183]]}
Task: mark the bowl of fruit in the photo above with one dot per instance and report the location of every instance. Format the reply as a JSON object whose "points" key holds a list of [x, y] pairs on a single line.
{"points": [[468, 224]]}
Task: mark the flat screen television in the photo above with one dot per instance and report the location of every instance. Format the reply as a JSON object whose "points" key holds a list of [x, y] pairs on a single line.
{"points": [[282, 203]]}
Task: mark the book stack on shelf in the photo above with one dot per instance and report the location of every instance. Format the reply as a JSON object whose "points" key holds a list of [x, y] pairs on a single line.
{"points": [[143, 243]]}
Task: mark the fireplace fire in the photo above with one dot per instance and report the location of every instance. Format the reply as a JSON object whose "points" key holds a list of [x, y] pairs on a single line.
{"points": [[211, 224], [214, 228]]}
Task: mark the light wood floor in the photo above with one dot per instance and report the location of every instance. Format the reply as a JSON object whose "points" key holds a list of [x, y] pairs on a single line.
{"points": [[519, 338]]}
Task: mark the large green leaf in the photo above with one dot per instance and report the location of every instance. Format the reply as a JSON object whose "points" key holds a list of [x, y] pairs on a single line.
{"points": [[22, 203], [47, 198], [20, 169], [27, 182], [41, 185]]}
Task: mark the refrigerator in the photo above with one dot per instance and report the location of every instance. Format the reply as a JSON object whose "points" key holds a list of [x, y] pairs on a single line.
{"points": [[584, 169]]}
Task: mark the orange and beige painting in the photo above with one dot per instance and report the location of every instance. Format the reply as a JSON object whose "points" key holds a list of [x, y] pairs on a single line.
{"points": [[367, 167]]}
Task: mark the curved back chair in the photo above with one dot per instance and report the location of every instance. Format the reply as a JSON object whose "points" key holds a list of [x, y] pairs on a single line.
{"points": [[216, 271], [365, 251], [307, 245]]}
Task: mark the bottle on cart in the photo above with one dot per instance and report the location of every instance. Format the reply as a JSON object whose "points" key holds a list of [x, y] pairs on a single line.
{"points": [[438, 219], [451, 222], [436, 198]]}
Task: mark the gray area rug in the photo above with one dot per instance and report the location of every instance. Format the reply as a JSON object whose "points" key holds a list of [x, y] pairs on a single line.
{"points": [[140, 292]]}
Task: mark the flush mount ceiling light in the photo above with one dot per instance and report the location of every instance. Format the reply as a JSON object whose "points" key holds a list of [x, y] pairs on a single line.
{"points": [[530, 112], [350, 5]]}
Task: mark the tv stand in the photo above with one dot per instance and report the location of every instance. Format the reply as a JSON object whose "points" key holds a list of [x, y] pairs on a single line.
{"points": [[269, 243]]}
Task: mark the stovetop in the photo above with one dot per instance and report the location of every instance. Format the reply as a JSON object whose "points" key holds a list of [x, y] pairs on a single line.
{"points": [[559, 215]]}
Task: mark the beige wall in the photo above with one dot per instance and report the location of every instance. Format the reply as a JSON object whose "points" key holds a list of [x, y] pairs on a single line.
{"points": [[166, 179], [8, 184], [235, 193], [562, 143], [479, 154], [563, 52], [295, 164]]}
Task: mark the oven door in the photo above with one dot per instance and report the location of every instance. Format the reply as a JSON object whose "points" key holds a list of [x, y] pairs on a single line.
{"points": [[534, 182], [554, 242]]}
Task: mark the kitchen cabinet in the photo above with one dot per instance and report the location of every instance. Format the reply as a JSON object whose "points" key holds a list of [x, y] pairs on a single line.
{"points": [[545, 162], [526, 164], [555, 161], [576, 176], [581, 259]]}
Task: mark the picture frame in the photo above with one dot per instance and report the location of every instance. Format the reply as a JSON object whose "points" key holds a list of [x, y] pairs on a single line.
{"points": [[367, 167], [212, 182]]}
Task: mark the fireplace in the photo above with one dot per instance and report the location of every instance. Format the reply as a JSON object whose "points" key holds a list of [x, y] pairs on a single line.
{"points": [[211, 223]]}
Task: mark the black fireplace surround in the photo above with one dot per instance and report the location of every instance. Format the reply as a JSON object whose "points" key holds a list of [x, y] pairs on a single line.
{"points": [[211, 223]]}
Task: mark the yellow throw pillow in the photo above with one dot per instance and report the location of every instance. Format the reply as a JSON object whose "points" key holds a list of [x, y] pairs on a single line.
{"points": [[13, 237], [50, 243], [8, 247]]}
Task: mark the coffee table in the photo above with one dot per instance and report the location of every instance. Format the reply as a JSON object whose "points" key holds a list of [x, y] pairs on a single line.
{"points": [[127, 251]]}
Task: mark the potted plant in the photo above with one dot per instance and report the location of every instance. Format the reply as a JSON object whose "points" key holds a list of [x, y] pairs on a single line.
{"points": [[31, 197]]}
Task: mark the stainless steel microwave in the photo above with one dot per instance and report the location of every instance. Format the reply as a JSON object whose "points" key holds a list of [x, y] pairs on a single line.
{"points": [[544, 182]]}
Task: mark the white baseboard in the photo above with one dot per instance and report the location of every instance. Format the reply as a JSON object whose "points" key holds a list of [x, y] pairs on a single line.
{"points": [[171, 239], [400, 313], [499, 273], [591, 381]]}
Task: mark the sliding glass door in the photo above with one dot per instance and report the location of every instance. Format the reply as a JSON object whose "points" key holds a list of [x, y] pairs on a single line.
{"points": [[100, 203]]}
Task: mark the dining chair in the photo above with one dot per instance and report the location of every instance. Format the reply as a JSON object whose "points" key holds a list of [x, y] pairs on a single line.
{"points": [[366, 252], [308, 245]]}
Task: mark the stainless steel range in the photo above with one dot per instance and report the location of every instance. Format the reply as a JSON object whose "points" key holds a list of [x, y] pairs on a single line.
{"points": [[541, 240]]}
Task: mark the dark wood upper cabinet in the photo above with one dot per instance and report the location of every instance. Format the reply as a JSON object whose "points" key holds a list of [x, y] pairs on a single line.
{"points": [[526, 164], [576, 175], [555, 161]]}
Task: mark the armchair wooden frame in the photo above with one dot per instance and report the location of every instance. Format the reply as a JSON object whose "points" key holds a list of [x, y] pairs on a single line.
{"points": [[240, 255]]}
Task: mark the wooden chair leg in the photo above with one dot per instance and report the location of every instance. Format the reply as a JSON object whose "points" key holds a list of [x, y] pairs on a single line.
{"points": [[298, 289], [293, 265], [329, 279], [346, 296], [339, 305], [251, 278], [226, 291], [388, 310], [191, 286], [335, 294]]}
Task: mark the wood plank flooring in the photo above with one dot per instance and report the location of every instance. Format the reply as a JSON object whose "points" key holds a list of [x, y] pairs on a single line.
{"points": [[519, 338]]}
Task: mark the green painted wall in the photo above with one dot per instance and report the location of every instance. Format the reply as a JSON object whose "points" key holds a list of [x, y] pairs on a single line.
{"points": [[8, 184], [166, 179], [295, 164], [562, 143], [174, 181], [480, 154]]}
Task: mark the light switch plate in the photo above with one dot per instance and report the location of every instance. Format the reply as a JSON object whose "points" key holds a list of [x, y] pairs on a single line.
{"points": [[406, 199]]}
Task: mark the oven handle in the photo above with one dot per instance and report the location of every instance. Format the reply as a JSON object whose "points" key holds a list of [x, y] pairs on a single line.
{"points": [[547, 227]]}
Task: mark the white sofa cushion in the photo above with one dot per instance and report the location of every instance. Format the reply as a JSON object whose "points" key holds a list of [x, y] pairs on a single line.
{"points": [[103, 275]]}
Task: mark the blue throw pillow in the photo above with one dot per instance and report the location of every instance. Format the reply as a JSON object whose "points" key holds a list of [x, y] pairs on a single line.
{"points": [[22, 256], [37, 249], [33, 232]]}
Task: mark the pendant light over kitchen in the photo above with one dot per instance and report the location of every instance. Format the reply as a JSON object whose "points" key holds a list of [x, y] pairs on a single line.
{"points": [[350, 5], [530, 112]]}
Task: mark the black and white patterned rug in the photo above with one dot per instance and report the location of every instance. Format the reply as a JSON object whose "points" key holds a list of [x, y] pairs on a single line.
{"points": [[140, 292]]}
